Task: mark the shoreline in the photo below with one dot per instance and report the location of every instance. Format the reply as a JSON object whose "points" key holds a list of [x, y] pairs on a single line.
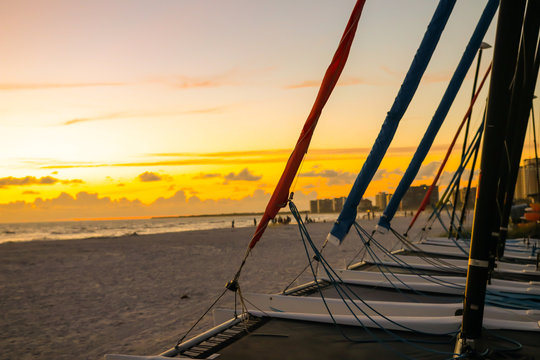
{"points": [[75, 230], [139, 294]]}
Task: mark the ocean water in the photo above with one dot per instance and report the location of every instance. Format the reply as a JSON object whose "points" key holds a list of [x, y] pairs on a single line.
{"points": [[66, 230]]}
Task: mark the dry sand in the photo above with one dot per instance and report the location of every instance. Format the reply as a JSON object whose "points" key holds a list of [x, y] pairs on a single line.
{"points": [[81, 299]]}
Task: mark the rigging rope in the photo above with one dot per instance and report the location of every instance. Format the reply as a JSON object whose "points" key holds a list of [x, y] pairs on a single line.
{"points": [[449, 151], [344, 292]]}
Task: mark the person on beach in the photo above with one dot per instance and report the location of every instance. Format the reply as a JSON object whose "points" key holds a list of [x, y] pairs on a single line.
{"points": [[232, 224], [254, 222]]}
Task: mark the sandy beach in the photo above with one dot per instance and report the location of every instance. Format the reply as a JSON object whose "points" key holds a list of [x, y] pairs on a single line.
{"points": [[81, 299]]}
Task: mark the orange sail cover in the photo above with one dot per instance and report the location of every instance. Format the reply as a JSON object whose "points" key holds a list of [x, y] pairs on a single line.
{"points": [[281, 193]]}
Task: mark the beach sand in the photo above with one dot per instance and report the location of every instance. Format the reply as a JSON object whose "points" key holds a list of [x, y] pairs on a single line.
{"points": [[81, 299]]}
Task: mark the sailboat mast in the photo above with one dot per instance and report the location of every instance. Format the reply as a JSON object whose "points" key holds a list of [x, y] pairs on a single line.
{"points": [[485, 215], [521, 104]]}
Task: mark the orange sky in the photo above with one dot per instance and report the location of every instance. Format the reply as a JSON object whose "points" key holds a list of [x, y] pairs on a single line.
{"points": [[137, 108]]}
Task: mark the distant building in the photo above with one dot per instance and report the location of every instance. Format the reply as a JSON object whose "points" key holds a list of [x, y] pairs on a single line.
{"points": [[314, 206], [325, 205], [414, 196], [471, 199], [333, 205], [381, 200], [365, 205], [338, 204], [527, 181]]}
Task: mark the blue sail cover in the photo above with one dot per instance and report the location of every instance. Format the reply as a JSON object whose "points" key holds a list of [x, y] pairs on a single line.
{"points": [[389, 127], [440, 113]]}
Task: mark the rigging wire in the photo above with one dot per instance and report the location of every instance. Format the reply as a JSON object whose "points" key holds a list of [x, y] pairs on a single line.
{"points": [[344, 291]]}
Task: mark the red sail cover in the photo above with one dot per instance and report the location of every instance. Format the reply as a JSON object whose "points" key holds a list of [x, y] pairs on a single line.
{"points": [[430, 190], [281, 193]]}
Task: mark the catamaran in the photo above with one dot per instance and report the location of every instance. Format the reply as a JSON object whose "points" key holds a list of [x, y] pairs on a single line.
{"points": [[386, 307]]}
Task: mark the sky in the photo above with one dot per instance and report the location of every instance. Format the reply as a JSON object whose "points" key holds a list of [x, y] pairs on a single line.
{"points": [[132, 108]]}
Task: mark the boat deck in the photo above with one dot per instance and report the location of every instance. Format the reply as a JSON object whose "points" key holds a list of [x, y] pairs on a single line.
{"points": [[293, 339]]}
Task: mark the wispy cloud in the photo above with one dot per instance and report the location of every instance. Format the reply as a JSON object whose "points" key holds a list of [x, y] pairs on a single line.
{"points": [[142, 114], [96, 118], [316, 83], [428, 78], [441, 77], [226, 78], [202, 176], [42, 86], [128, 115], [32, 180], [334, 177], [244, 175], [389, 71], [383, 174], [134, 114], [232, 158], [324, 173], [187, 82], [149, 176], [428, 170]]}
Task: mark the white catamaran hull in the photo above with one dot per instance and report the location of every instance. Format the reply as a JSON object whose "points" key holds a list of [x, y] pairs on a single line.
{"points": [[316, 305], [440, 284], [423, 263]]}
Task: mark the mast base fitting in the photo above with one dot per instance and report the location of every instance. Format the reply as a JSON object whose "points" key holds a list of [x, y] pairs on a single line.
{"points": [[232, 285], [470, 347], [463, 346]]}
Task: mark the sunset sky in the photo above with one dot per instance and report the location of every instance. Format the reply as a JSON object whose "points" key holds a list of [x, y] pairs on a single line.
{"points": [[132, 108]]}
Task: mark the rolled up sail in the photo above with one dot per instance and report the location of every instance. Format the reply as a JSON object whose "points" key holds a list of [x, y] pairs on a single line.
{"points": [[281, 193], [403, 99], [440, 113]]}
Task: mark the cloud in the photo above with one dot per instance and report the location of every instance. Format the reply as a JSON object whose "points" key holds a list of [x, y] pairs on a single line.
{"points": [[191, 82], [428, 78], [324, 173], [390, 72], [226, 78], [149, 176], [427, 171], [30, 192], [190, 191], [316, 83], [433, 78], [95, 118], [448, 175], [383, 174], [236, 157], [32, 180], [334, 177], [144, 114], [244, 175], [202, 176], [41, 86], [86, 205]]}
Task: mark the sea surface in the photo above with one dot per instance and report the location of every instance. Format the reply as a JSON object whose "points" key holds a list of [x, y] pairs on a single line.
{"points": [[66, 230]]}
